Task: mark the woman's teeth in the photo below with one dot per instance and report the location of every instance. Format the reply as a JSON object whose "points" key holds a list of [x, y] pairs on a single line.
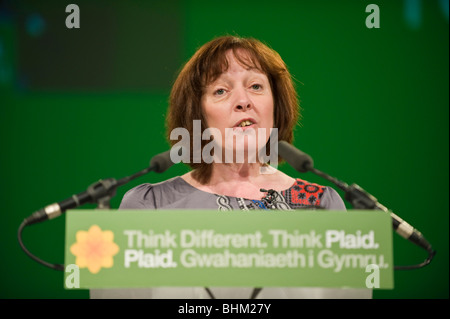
{"points": [[245, 123]]}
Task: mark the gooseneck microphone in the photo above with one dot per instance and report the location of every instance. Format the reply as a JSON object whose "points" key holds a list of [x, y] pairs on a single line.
{"points": [[161, 162], [358, 197], [99, 193], [94, 192], [300, 161]]}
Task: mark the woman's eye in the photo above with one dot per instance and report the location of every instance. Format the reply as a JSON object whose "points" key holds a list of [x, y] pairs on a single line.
{"points": [[256, 87], [219, 92]]}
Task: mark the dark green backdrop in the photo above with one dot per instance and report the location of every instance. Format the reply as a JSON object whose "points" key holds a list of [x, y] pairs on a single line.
{"points": [[79, 105]]}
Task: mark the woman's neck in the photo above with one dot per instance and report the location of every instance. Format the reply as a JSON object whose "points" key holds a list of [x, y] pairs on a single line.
{"points": [[242, 180], [235, 173]]}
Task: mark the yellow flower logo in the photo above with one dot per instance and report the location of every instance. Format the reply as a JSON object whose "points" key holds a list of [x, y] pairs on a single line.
{"points": [[94, 249]]}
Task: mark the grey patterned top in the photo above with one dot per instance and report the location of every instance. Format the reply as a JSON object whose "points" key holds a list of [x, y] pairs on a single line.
{"points": [[176, 193]]}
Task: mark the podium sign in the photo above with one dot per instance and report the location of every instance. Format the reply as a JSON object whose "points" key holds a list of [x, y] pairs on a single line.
{"points": [[205, 248]]}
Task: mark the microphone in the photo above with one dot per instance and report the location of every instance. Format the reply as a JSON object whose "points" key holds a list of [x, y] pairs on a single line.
{"points": [[300, 161], [100, 191], [358, 197], [56, 209], [161, 162]]}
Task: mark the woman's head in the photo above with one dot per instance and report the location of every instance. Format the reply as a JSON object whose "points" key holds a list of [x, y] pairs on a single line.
{"points": [[187, 100]]}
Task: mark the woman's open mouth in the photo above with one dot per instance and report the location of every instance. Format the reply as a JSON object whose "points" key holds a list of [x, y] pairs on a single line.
{"points": [[244, 124]]}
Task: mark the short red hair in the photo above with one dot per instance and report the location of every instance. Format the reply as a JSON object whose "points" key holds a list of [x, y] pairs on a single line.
{"points": [[206, 65]]}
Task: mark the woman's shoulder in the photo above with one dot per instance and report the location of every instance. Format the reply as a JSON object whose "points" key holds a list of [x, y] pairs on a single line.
{"points": [[305, 193], [148, 195], [308, 186]]}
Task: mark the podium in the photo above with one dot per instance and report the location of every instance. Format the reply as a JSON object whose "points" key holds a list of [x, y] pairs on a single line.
{"points": [[156, 249]]}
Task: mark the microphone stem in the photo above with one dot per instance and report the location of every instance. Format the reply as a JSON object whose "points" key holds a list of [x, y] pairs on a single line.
{"points": [[357, 196], [360, 199], [335, 181], [127, 179], [100, 192]]}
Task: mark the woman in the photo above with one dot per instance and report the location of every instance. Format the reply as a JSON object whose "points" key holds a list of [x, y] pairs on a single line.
{"points": [[233, 86]]}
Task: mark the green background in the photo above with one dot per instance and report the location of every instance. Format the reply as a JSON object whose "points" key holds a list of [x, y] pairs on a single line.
{"points": [[79, 105]]}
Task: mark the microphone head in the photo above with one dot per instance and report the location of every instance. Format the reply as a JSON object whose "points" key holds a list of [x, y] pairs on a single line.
{"points": [[161, 162], [300, 161]]}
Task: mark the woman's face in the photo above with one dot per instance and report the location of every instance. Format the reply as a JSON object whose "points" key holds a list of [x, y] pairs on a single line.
{"points": [[239, 104]]}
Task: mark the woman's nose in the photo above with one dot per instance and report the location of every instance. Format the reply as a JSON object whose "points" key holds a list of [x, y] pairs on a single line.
{"points": [[243, 102]]}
